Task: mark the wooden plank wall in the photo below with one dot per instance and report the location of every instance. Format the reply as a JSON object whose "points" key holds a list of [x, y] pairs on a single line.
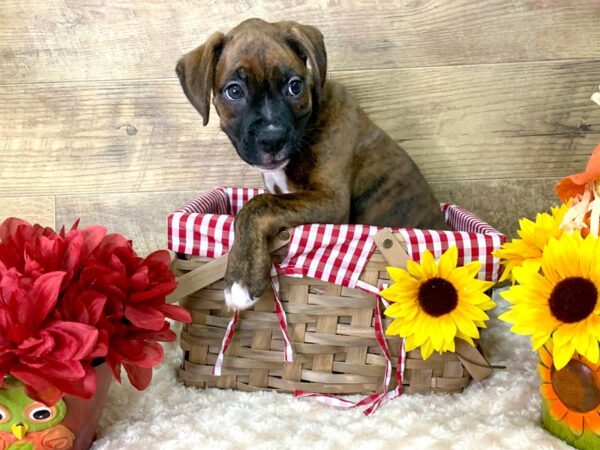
{"points": [[490, 97]]}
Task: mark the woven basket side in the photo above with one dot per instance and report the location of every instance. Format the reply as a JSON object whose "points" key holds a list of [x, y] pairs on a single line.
{"points": [[332, 331]]}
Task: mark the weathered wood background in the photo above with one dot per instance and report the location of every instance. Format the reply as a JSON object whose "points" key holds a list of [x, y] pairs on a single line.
{"points": [[490, 97]]}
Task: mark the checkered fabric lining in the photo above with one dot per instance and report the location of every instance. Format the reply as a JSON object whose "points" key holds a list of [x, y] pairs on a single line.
{"points": [[333, 253]]}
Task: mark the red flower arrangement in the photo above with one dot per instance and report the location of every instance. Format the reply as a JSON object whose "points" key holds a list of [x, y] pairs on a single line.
{"points": [[72, 300]]}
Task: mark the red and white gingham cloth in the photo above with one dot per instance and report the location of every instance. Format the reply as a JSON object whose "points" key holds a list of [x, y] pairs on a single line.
{"points": [[332, 253]]}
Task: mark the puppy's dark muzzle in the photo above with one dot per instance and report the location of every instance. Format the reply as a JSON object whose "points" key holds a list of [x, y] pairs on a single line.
{"points": [[271, 138]]}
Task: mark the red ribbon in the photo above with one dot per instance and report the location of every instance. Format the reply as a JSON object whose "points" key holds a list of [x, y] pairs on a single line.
{"points": [[225, 344], [373, 401], [288, 352]]}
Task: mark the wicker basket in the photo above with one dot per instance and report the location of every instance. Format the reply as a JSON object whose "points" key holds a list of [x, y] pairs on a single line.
{"points": [[331, 328]]}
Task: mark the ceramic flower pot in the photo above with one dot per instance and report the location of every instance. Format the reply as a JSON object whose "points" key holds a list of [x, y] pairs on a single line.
{"points": [[571, 400], [68, 425]]}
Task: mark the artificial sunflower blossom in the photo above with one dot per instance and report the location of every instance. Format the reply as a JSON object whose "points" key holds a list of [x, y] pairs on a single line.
{"points": [[533, 237], [433, 304], [562, 301]]}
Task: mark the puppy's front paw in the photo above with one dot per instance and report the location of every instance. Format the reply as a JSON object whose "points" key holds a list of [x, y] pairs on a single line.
{"points": [[237, 297]]}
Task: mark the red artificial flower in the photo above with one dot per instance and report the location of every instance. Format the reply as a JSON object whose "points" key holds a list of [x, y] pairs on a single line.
{"points": [[33, 249], [71, 300], [138, 352], [85, 307], [45, 354], [137, 288]]}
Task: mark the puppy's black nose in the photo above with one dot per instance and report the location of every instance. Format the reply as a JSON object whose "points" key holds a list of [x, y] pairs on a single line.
{"points": [[271, 138]]}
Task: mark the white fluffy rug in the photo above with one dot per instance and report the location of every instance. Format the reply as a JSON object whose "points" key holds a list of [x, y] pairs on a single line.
{"points": [[501, 413]]}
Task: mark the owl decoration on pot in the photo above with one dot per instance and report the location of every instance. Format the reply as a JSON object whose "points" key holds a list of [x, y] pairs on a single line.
{"points": [[26, 424]]}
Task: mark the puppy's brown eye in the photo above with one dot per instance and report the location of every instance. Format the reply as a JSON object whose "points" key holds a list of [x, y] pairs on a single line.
{"points": [[234, 92], [295, 87]]}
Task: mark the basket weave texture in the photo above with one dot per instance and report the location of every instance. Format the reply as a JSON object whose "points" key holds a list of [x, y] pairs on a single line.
{"points": [[331, 325], [333, 336]]}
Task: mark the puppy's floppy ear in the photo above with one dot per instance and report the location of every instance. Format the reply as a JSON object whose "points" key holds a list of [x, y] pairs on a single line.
{"points": [[196, 72], [309, 41]]}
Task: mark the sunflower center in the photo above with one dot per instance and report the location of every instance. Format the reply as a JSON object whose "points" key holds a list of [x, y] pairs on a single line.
{"points": [[576, 386], [437, 296], [573, 299]]}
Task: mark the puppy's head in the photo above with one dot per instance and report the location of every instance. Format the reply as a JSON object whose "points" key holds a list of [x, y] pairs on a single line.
{"points": [[266, 81]]}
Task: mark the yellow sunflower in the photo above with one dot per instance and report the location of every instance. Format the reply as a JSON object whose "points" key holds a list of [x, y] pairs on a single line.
{"points": [[434, 304], [571, 396], [562, 300], [533, 238]]}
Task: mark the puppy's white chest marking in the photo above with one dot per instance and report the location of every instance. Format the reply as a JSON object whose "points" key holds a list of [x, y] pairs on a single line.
{"points": [[276, 181]]}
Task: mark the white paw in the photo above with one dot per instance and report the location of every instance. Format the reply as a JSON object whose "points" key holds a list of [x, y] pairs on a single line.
{"points": [[239, 298]]}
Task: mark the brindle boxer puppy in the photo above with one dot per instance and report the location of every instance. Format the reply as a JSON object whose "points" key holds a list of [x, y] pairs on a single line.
{"points": [[322, 159]]}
